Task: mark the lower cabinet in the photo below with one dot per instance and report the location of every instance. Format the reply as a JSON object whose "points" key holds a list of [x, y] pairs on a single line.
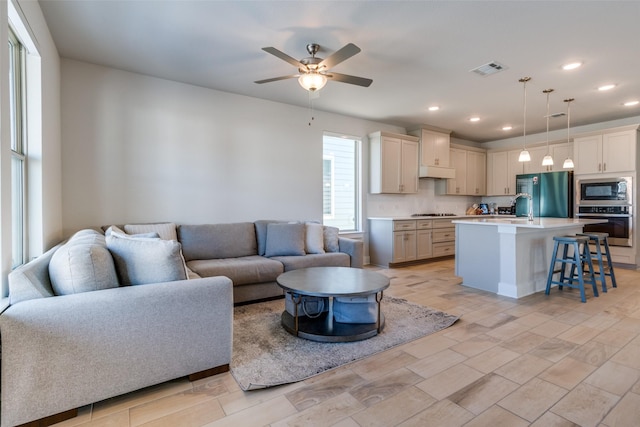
{"points": [[399, 241]]}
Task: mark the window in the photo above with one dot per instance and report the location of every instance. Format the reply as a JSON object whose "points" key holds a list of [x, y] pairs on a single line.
{"points": [[341, 182], [17, 113]]}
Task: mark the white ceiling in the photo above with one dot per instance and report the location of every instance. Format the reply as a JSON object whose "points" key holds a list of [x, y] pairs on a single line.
{"points": [[418, 54]]}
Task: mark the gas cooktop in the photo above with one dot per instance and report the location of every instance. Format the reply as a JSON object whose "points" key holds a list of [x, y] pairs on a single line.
{"points": [[434, 214]]}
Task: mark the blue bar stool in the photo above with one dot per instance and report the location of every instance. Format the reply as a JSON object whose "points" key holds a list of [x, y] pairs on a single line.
{"points": [[579, 256], [601, 240]]}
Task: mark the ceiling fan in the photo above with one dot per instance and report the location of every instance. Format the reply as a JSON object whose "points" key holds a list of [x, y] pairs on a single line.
{"points": [[313, 72]]}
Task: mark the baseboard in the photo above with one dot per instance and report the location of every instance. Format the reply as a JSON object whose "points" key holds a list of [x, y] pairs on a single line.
{"points": [[208, 372], [52, 419]]}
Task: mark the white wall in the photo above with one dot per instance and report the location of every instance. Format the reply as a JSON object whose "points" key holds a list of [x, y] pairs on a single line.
{"points": [[138, 148]]}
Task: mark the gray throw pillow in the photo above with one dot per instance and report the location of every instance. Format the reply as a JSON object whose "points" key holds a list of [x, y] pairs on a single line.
{"points": [[82, 264], [331, 242], [146, 260], [284, 240], [314, 238]]}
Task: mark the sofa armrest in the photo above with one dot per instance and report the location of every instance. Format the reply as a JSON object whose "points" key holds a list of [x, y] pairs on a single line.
{"points": [[355, 249], [63, 352]]}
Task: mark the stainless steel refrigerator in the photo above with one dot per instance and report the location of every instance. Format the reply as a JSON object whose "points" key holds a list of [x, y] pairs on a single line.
{"points": [[552, 194]]}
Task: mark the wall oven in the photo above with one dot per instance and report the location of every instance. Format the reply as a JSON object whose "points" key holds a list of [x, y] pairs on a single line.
{"points": [[610, 199]]}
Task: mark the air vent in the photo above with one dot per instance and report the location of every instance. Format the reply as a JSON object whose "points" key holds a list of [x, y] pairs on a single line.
{"points": [[490, 68], [556, 115]]}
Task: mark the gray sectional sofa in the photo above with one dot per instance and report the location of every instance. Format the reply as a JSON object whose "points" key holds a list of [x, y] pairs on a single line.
{"points": [[80, 328]]}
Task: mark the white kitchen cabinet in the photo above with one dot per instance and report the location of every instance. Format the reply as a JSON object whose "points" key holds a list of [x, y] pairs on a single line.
{"points": [[458, 159], [502, 168], [471, 172], [393, 163], [535, 165], [606, 152], [435, 148], [476, 173], [397, 241], [560, 152]]}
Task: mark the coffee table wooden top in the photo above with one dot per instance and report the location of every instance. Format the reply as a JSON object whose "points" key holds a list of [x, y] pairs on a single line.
{"points": [[333, 281]]}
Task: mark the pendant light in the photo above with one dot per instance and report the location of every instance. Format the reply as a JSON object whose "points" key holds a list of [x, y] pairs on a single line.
{"points": [[547, 160], [524, 154], [568, 163]]}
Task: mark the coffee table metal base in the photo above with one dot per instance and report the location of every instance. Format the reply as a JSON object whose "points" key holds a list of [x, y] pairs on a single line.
{"points": [[324, 329]]}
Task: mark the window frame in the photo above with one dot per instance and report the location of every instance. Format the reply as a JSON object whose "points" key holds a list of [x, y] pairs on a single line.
{"points": [[357, 181], [18, 137]]}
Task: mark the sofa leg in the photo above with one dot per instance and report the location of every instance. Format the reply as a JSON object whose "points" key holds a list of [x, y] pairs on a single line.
{"points": [[52, 419], [208, 372]]}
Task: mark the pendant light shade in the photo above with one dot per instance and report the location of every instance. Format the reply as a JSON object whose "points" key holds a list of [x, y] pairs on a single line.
{"points": [[547, 160], [568, 163], [524, 154]]}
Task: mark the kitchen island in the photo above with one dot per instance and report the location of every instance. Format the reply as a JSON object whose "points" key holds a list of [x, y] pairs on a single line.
{"points": [[509, 256]]}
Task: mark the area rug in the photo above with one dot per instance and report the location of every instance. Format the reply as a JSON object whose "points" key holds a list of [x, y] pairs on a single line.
{"points": [[265, 355]]}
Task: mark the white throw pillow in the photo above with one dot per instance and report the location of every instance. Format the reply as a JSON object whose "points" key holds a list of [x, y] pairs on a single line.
{"points": [[146, 260], [314, 238], [166, 230]]}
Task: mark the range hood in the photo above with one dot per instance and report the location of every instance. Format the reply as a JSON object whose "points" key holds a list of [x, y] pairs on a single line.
{"points": [[436, 172]]}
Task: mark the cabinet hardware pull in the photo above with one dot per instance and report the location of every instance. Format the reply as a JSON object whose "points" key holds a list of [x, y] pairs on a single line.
{"points": [[604, 168]]}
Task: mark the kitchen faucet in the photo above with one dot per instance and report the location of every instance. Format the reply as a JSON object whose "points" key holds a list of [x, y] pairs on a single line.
{"points": [[530, 202]]}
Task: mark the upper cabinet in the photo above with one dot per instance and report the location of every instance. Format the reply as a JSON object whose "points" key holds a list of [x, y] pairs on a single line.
{"points": [[502, 168], [470, 172], [434, 153], [605, 152], [393, 163]]}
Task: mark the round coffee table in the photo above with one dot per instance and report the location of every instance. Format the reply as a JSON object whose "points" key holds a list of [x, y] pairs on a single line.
{"points": [[331, 282]]}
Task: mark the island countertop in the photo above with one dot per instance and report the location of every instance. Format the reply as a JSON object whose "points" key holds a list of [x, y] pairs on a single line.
{"points": [[544, 223]]}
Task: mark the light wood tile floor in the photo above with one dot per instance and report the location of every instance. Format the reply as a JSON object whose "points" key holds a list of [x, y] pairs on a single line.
{"points": [[539, 361]]}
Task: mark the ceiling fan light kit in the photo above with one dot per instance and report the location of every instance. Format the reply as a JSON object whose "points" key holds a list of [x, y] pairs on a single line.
{"points": [[313, 72]]}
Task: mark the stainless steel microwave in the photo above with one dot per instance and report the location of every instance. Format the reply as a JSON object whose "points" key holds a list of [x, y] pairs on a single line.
{"points": [[604, 191]]}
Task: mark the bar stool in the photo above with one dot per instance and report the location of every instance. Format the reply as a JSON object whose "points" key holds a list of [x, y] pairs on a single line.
{"points": [[576, 260], [599, 240]]}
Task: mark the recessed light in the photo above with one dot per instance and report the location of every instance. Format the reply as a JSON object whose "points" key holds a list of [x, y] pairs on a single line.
{"points": [[606, 87], [507, 127], [474, 119], [631, 103], [434, 108], [571, 66]]}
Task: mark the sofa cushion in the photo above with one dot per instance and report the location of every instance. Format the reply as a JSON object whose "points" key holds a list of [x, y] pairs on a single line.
{"points": [[83, 264], [166, 230], [261, 233], [285, 239], [243, 270], [314, 238], [331, 239], [329, 259], [142, 260], [213, 241]]}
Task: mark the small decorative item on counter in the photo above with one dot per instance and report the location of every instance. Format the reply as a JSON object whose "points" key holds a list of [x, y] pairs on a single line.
{"points": [[473, 210]]}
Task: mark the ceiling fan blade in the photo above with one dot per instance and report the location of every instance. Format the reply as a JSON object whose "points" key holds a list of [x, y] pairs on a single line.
{"points": [[284, 56], [275, 79], [342, 54], [345, 78]]}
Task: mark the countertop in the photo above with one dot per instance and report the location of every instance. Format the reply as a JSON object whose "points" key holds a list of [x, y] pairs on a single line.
{"points": [[409, 217], [544, 223]]}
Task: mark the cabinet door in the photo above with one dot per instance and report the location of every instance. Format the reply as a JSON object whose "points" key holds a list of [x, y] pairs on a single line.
{"points": [[476, 173], [497, 173], [514, 167], [391, 159], [404, 246], [409, 167], [423, 244], [535, 165], [618, 151], [588, 152], [435, 148], [458, 159], [560, 153]]}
